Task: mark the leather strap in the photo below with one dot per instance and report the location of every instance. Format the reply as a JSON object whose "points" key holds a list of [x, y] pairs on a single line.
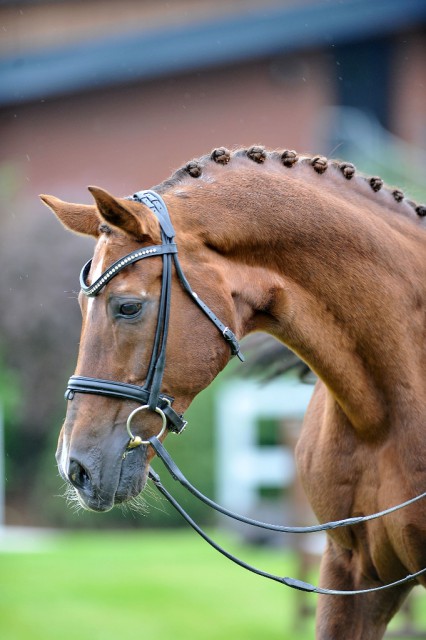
{"points": [[155, 202], [124, 391], [177, 475], [93, 289], [293, 583], [224, 330]]}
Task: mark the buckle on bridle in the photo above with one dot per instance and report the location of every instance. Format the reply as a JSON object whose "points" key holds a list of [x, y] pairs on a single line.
{"points": [[233, 343]]}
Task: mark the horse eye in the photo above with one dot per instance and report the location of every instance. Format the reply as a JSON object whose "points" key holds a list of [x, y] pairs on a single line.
{"points": [[130, 309]]}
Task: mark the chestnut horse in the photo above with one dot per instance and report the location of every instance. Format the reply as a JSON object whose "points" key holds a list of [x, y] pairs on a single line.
{"points": [[329, 262]]}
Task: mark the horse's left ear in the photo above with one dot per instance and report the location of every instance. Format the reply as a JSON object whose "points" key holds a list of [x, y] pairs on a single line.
{"points": [[80, 218], [132, 218]]}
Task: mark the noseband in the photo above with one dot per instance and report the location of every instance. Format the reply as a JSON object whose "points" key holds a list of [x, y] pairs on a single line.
{"points": [[149, 396], [151, 399]]}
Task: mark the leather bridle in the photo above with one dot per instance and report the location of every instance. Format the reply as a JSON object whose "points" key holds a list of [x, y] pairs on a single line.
{"points": [[150, 397]]}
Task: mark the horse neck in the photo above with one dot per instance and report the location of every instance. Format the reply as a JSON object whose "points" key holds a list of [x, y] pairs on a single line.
{"points": [[334, 279]]}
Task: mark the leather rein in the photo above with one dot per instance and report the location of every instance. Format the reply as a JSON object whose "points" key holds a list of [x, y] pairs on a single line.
{"points": [[150, 398]]}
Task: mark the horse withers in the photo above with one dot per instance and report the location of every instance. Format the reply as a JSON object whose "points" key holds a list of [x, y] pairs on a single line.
{"points": [[329, 262]]}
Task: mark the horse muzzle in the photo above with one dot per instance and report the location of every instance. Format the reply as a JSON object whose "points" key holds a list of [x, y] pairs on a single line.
{"points": [[104, 478]]}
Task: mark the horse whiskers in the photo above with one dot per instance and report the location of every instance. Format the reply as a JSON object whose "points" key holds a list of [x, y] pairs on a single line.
{"points": [[154, 499], [144, 502], [138, 505], [71, 497]]}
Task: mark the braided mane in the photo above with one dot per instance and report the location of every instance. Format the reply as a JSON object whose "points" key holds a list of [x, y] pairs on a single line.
{"points": [[287, 159]]}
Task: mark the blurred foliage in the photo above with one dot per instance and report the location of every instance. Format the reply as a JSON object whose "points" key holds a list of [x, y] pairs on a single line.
{"points": [[10, 402], [39, 325]]}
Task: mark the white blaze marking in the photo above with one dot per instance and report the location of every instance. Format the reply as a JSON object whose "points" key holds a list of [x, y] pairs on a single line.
{"points": [[64, 456], [96, 274], [63, 463]]}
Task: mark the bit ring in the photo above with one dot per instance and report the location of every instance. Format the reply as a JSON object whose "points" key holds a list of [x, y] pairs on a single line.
{"points": [[136, 441]]}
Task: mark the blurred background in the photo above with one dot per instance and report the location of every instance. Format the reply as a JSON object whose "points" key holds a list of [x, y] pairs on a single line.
{"points": [[119, 94]]}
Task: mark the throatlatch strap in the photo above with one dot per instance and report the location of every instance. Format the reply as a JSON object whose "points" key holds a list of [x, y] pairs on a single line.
{"points": [[223, 329]]}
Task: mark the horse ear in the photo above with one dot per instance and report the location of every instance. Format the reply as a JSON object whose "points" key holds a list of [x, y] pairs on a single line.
{"points": [[80, 218], [132, 218]]}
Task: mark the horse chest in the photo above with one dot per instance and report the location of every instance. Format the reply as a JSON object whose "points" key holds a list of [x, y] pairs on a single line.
{"points": [[328, 459]]}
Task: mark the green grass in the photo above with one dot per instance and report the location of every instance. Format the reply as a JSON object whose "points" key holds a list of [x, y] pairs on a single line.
{"points": [[156, 585], [161, 585]]}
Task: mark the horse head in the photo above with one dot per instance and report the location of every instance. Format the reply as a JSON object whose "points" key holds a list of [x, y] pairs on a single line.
{"points": [[126, 338]]}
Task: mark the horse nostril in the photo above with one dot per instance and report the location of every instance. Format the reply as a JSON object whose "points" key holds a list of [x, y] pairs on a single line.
{"points": [[77, 475]]}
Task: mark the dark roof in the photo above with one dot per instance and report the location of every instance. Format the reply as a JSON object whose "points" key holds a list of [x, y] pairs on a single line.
{"points": [[141, 55]]}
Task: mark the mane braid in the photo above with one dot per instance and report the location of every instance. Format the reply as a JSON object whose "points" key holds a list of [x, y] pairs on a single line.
{"points": [[288, 158], [104, 228]]}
